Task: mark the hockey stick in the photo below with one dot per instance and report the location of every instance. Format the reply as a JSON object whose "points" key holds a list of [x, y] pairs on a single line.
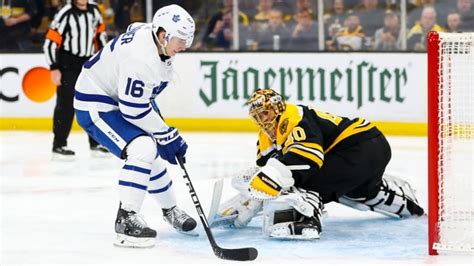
{"points": [[241, 254]]}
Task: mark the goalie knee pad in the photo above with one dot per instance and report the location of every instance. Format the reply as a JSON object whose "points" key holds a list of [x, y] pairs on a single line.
{"points": [[396, 198], [295, 215]]}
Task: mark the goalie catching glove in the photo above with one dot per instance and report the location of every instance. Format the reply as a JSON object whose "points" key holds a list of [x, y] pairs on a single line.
{"points": [[270, 181]]}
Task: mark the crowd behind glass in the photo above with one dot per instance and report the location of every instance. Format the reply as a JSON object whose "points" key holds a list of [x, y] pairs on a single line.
{"points": [[264, 25]]}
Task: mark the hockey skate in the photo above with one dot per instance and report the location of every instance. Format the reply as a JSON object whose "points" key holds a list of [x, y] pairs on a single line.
{"points": [[132, 231], [99, 151], [181, 221], [63, 154]]}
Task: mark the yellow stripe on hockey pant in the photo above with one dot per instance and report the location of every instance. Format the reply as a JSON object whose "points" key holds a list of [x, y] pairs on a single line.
{"points": [[308, 155], [262, 184], [349, 131]]}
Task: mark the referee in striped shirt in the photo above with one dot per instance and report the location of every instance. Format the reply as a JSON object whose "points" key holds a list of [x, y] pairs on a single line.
{"points": [[75, 34]]}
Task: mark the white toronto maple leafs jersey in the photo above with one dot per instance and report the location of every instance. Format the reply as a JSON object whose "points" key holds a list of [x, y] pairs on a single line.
{"points": [[126, 75]]}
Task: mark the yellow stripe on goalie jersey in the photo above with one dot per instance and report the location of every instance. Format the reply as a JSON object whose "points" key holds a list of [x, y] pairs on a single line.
{"points": [[360, 125], [307, 155]]}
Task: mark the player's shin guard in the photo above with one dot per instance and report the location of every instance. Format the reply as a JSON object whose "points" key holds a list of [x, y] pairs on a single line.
{"points": [[396, 198], [284, 218]]}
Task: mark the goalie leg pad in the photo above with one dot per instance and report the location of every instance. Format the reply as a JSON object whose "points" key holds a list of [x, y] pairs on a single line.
{"points": [[396, 198], [282, 219], [238, 211]]}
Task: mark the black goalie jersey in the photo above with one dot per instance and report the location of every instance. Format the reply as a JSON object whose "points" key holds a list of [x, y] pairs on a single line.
{"points": [[304, 135]]}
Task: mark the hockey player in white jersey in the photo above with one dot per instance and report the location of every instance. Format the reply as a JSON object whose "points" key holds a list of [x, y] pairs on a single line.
{"points": [[114, 102]]}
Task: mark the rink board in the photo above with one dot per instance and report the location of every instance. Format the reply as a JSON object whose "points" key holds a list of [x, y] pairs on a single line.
{"points": [[210, 89]]}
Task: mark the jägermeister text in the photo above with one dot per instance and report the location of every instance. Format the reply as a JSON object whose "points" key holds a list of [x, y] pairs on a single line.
{"points": [[359, 82]]}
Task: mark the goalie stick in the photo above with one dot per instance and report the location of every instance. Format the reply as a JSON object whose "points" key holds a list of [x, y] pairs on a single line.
{"points": [[215, 201], [240, 254]]}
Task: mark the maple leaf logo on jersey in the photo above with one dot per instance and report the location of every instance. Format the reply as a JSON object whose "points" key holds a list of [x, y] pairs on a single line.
{"points": [[176, 18]]}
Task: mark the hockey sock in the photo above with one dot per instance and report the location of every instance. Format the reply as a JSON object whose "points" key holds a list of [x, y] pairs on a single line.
{"points": [[160, 186]]}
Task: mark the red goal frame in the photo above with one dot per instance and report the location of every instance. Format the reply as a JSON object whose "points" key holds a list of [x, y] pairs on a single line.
{"points": [[433, 140]]}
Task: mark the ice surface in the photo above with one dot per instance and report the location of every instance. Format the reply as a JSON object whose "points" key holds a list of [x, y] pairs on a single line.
{"points": [[63, 212]]}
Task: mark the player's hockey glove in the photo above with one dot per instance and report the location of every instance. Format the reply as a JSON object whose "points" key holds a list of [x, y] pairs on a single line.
{"points": [[171, 145], [270, 181]]}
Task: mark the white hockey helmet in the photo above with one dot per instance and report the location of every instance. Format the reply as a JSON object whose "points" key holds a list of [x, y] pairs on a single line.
{"points": [[176, 21]]}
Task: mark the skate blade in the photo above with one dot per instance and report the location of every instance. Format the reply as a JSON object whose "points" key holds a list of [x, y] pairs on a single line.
{"points": [[99, 154], [133, 242], [192, 233], [62, 158]]}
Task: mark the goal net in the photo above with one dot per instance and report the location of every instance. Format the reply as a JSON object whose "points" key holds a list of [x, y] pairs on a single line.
{"points": [[451, 142]]}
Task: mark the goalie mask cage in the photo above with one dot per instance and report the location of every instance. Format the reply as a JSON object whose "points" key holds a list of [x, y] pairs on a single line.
{"points": [[450, 142]]}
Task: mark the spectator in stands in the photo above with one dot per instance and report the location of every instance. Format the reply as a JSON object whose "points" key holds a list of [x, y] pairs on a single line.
{"points": [[440, 6], [263, 14], [213, 36], [388, 37], [122, 14], [127, 12], [351, 37], [453, 21], [15, 25], [305, 34], [221, 37], [333, 22], [371, 17], [417, 35], [276, 35], [305, 6], [465, 10]]}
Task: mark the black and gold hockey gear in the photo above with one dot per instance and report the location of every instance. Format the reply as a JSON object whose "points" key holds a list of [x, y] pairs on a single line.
{"points": [[265, 106], [307, 136]]}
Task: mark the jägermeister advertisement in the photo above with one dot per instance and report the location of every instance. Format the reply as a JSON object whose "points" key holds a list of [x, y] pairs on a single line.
{"points": [[390, 87]]}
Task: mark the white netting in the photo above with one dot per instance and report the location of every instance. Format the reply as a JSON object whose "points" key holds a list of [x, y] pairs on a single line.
{"points": [[456, 142]]}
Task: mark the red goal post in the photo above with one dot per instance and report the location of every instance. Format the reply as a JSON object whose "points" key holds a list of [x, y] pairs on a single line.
{"points": [[450, 142]]}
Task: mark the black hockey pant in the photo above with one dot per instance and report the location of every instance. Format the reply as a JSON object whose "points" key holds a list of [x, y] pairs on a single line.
{"points": [[355, 171]]}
